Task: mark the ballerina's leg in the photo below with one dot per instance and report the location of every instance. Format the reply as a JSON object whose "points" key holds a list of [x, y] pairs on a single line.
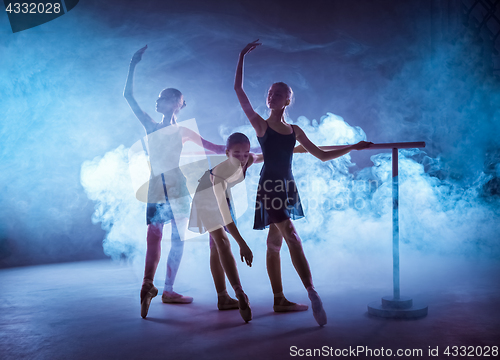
{"points": [[173, 262], [224, 301], [216, 268], [302, 267], [174, 255], [273, 260], [294, 243], [229, 265], [153, 251]]}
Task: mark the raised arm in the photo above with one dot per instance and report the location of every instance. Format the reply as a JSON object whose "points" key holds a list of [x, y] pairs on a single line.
{"points": [[128, 93], [256, 120], [325, 155]]}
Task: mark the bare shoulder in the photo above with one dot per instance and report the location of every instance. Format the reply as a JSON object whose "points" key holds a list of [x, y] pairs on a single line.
{"points": [[302, 138], [251, 160], [221, 170], [189, 135], [185, 132], [298, 131]]}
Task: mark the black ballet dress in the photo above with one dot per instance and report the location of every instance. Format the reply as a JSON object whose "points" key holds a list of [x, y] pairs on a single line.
{"points": [[277, 195]]}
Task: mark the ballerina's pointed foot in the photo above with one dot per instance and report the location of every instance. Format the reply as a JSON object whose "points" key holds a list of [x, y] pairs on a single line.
{"points": [[283, 305], [171, 297], [244, 305], [148, 292], [227, 303], [317, 308]]}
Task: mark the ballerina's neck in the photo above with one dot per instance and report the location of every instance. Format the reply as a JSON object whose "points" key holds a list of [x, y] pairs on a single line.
{"points": [[277, 115]]}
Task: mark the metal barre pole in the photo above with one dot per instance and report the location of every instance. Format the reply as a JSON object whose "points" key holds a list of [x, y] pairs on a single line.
{"points": [[398, 306], [395, 224]]}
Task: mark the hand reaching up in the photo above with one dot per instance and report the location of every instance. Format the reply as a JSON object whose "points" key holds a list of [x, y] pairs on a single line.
{"points": [[138, 55], [250, 47]]}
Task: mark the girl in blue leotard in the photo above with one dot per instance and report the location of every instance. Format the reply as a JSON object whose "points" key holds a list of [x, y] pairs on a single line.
{"points": [[168, 196]]}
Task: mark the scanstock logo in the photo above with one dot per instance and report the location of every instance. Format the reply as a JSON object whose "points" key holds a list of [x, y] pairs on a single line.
{"points": [[24, 15]]}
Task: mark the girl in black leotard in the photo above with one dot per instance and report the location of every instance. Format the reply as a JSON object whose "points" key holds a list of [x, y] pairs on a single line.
{"points": [[277, 197]]}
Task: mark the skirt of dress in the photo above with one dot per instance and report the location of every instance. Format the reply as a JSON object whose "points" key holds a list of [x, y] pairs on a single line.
{"points": [[175, 202], [205, 214], [277, 200]]}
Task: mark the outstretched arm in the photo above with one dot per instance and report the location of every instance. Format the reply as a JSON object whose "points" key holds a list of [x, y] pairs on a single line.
{"points": [[299, 149], [256, 158], [325, 155], [259, 157], [257, 122], [128, 92], [190, 135]]}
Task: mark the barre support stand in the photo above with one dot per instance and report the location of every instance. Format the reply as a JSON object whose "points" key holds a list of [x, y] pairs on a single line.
{"points": [[396, 306]]}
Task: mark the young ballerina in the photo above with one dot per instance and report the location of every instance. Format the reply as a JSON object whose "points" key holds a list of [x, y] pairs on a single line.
{"points": [[168, 196], [277, 198], [212, 211]]}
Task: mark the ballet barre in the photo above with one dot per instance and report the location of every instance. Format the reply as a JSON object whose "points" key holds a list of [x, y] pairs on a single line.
{"points": [[397, 306], [400, 145]]}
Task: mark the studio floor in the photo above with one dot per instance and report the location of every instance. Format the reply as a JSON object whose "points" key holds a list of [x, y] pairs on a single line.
{"points": [[90, 310]]}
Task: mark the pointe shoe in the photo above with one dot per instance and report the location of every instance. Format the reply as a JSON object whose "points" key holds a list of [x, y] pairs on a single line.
{"points": [[171, 297], [317, 308], [244, 305], [147, 294], [286, 306], [227, 303]]}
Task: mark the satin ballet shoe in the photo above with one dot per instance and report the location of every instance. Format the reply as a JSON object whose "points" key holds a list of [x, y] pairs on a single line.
{"points": [[171, 297], [317, 308], [227, 303], [244, 305], [286, 306], [148, 292]]}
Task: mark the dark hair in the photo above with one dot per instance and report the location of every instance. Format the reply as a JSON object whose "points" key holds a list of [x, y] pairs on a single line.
{"points": [[236, 138], [171, 92], [287, 88]]}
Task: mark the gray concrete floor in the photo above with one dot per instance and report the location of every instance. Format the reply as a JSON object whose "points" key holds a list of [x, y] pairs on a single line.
{"points": [[90, 310]]}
